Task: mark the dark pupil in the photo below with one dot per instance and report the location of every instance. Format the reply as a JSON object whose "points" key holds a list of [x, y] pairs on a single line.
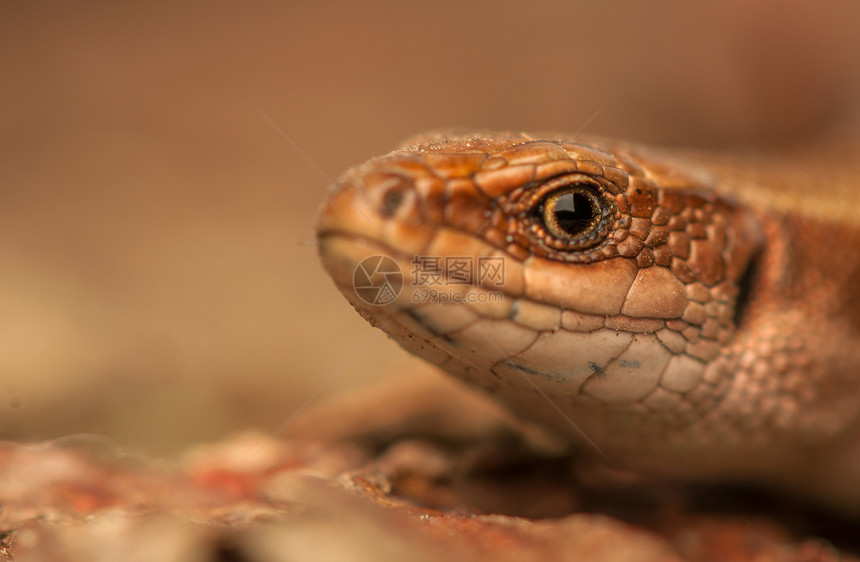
{"points": [[574, 213]]}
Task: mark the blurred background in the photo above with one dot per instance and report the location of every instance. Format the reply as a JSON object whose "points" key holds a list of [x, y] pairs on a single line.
{"points": [[158, 278]]}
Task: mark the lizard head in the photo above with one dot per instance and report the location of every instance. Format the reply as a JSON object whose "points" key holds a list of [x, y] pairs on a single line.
{"points": [[591, 288]]}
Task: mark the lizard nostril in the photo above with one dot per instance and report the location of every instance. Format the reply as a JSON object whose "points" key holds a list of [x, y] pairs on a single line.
{"points": [[392, 200], [387, 192]]}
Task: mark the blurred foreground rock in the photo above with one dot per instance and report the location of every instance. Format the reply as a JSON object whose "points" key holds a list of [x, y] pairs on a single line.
{"points": [[422, 470]]}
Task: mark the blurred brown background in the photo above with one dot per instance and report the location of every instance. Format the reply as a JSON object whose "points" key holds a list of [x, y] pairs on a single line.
{"points": [[158, 282]]}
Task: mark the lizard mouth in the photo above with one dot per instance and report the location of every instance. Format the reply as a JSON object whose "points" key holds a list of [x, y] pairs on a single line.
{"points": [[383, 251], [437, 303], [474, 329]]}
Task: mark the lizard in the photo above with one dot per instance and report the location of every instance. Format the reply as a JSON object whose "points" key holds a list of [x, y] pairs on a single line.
{"points": [[684, 313]]}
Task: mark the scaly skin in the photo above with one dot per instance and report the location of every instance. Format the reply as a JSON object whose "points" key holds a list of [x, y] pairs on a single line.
{"points": [[704, 324]]}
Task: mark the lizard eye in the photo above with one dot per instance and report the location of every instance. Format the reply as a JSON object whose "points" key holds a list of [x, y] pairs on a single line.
{"points": [[568, 216], [570, 213]]}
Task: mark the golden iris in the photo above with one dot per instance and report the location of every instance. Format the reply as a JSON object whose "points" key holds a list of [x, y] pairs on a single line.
{"points": [[571, 213]]}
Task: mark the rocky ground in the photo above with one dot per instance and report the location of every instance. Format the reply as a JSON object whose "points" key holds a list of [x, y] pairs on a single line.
{"points": [[419, 469]]}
